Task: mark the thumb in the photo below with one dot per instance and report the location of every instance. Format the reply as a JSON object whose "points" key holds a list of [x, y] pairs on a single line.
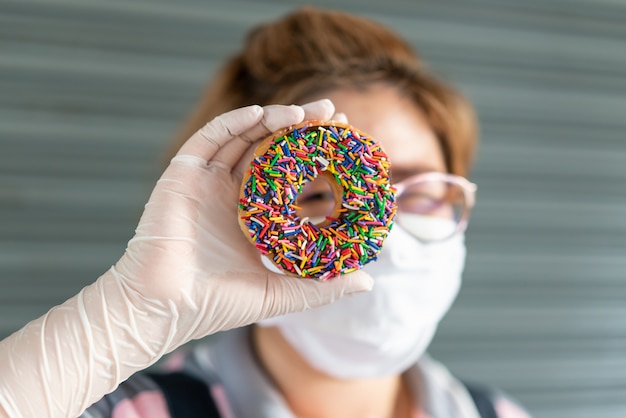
{"points": [[287, 294]]}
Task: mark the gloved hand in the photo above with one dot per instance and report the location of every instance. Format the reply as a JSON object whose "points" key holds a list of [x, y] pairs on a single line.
{"points": [[188, 272]]}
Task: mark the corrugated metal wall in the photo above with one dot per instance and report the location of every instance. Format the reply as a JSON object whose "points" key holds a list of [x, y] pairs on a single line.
{"points": [[92, 91]]}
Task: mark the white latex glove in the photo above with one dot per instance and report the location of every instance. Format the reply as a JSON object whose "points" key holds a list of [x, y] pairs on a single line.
{"points": [[188, 272]]}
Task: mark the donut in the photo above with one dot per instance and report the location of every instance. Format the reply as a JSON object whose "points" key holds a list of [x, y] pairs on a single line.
{"points": [[357, 170]]}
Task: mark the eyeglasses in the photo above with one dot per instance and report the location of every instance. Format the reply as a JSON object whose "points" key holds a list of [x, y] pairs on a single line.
{"points": [[432, 206]]}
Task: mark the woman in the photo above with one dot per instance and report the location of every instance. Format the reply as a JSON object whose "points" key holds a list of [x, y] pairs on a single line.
{"points": [[194, 275]]}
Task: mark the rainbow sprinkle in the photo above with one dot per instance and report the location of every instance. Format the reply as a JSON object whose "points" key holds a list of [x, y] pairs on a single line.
{"points": [[346, 241]]}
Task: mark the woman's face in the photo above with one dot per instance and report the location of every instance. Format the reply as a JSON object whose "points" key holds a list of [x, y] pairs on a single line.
{"points": [[382, 332], [397, 123]]}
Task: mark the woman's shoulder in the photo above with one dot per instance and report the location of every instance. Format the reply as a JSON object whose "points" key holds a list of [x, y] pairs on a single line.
{"points": [[138, 396], [164, 391], [446, 392], [157, 395], [494, 402]]}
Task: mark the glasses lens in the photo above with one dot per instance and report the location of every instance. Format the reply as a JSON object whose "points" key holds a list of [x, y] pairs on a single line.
{"points": [[431, 210]]}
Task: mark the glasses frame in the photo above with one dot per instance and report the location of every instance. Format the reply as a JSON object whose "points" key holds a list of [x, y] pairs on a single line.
{"points": [[469, 194]]}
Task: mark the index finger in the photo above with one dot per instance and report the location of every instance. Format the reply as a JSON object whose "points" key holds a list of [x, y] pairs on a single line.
{"points": [[274, 117], [211, 137]]}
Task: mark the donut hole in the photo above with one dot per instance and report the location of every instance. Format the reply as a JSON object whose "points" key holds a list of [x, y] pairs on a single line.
{"points": [[319, 199]]}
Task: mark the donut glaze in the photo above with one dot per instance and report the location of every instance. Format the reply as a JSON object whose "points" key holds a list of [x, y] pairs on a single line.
{"points": [[357, 169]]}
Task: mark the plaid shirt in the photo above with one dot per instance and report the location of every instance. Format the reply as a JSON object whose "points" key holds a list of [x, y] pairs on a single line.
{"points": [[239, 389]]}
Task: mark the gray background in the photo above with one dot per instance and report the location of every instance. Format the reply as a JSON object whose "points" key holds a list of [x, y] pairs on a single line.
{"points": [[92, 91]]}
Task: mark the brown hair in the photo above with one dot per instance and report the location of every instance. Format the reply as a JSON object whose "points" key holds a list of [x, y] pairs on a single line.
{"points": [[288, 60]]}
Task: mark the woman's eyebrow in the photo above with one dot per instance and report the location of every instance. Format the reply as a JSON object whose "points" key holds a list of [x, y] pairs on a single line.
{"points": [[403, 173]]}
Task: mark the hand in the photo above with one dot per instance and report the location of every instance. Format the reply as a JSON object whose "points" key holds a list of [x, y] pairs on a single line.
{"points": [[188, 272], [189, 249]]}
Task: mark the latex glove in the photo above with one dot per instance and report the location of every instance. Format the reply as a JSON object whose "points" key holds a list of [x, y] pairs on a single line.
{"points": [[188, 272]]}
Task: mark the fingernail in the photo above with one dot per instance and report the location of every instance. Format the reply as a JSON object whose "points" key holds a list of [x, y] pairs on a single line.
{"points": [[340, 117], [326, 103], [360, 282], [299, 111]]}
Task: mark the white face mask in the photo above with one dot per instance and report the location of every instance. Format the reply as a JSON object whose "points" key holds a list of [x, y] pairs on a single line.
{"points": [[384, 331]]}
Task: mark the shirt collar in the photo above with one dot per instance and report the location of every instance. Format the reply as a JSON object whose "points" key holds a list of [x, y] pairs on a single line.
{"points": [[230, 362]]}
